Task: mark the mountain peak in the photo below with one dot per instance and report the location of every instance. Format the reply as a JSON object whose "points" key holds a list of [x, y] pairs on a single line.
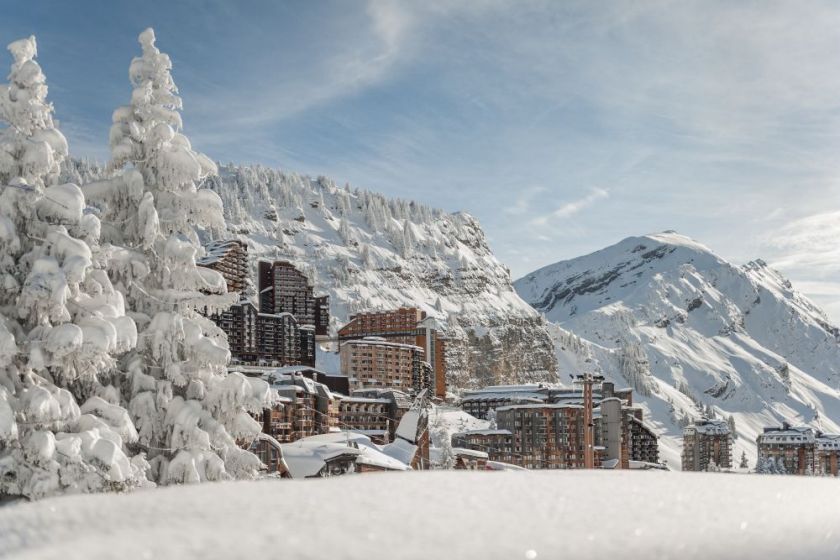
{"points": [[692, 333]]}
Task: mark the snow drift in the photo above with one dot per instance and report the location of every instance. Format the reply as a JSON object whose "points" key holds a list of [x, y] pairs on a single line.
{"points": [[459, 514]]}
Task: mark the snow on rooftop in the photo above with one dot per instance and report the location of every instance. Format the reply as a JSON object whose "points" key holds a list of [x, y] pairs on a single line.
{"points": [[710, 427], [485, 515], [539, 405], [379, 341], [469, 453], [401, 450], [526, 387], [307, 458], [482, 433]]}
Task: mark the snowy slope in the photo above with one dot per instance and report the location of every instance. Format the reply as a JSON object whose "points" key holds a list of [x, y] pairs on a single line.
{"points": [[455, 514], [369, 252], [690, 331]]}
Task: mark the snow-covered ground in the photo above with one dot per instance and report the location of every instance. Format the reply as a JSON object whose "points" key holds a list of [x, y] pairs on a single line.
{"points": [[572, 514]]}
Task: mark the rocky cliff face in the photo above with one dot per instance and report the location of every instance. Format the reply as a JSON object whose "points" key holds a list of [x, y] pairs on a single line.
{"points": [[369, 252], [693, 334]]}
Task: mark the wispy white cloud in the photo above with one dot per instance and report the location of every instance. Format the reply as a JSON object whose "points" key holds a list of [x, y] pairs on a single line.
{"points": [[811, 243], [523, 203], [571, 208]]}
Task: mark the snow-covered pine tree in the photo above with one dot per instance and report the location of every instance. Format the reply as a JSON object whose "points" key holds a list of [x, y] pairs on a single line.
{"points": [[744, 464], [62, 324], [190, 414], [408, 239], [635, 367], [731, 422], [491, 418], [344, 231], [447, 453]]}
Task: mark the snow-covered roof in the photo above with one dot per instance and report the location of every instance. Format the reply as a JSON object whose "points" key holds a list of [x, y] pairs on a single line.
{"points": [[407, 428], [511, 396], [288, 381], [500, 466], [828, 441], [375, 458], [525, 387], [378, 341], [788, 435], [536, 406], [306, 458], [364, 400], [216, 250], [401, 450], [470, 453], [468, 433], [710, 427]]}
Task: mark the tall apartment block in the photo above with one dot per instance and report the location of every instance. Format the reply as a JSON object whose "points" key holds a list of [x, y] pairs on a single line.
{"points": [[707, 441], [322, 316], [545, 436], [230, 258], [798, 450], [279, 334], [406, 325], [284, 289], [375, 362], [266, 339]]}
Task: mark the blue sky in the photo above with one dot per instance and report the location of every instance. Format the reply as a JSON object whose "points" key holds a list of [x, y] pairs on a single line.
{"points": [[563, 126]]}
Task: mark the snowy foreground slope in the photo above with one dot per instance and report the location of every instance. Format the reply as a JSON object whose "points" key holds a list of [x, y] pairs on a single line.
{"points": [[370, 252], [690, 331], [443, 515]]}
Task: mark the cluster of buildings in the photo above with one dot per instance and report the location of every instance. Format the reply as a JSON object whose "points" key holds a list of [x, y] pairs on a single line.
{"points": [[281, 329], [400, 348], [306, 407], [797, 450], [387, 357], [318, 431], [543, 427]]}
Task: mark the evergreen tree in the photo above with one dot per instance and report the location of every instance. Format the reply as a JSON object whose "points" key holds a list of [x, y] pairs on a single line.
{"points": [[731, 421], [189, 413], [491, 418], [62, 323], [745, 464]]}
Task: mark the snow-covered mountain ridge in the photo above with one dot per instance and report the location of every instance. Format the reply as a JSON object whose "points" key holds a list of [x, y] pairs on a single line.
{"points": [[690, 332], [370, 252]]}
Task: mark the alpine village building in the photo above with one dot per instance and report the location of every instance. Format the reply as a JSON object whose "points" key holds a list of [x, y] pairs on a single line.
{"points": [[707, 444], [542, 427], [406, 326], [798, 450]]}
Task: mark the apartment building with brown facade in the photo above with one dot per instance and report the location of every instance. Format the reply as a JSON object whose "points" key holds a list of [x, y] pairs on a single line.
{"points": [[375, 362], [406, 325], [798, 450], [707, 443]]}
